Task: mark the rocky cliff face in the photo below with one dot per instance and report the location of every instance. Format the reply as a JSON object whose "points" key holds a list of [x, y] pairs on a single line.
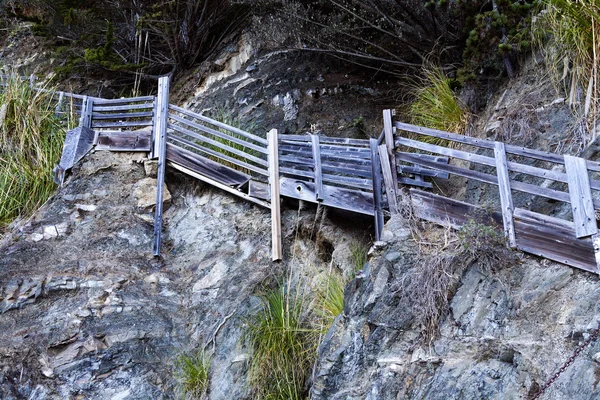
{"points": [[87, 312], [505, 334]]}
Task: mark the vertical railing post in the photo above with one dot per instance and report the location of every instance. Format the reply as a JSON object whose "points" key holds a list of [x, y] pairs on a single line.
{"points": [[273, 140], [87, 105], [388, 129], [376, 172], [160, 134], [316, 150], [506, 200]]}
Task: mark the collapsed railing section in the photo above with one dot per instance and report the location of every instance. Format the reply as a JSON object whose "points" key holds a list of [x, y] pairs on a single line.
{"points": [[574, 241]]}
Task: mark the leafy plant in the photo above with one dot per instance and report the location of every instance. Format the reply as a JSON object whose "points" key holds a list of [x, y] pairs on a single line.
{"points": [[31, 140], [284, 344], [435, 104], [192, 374]]}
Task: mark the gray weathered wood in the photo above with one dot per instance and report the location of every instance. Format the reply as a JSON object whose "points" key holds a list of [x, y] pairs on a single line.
{"points": [[444, 211], [317, 167], [441, 159], [121, 124], [415, 182], [488, 144], [388, 180], [377, 210], [581, 196], [202, 165], [103, 116], [326, 140], [86, 112], [219, 185], [388, 129], [358, 183], [160, 135], [348, 168], [124, 141], [124, 100], [273, 140], [420, 171], [218, 124], [506, 200], [126, 107], [227, 148], [335, 197], [221, 135], [356, 151], [258, 190], [554, 239], [219, 155]]}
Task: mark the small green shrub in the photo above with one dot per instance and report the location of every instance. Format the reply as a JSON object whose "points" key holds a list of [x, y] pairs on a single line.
{"points": [[284, 344], [31, 140], [192, 374], [435, 104]]}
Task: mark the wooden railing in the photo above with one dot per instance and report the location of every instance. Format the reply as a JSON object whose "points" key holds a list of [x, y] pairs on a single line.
{"points": [[357, 175], [559, 178]]}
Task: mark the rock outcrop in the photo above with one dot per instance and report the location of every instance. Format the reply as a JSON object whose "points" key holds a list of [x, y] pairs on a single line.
{"points": [[506, 333]]}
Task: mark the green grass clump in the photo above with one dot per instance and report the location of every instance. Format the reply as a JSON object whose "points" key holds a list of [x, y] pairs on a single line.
{"points": [[358, 256], [192, 372], [435, 104], [284, 344], [31, 140], [567, 32], [330, 299]]}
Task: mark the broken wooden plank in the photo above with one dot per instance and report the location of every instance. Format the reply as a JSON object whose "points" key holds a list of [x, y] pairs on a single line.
{"points": [[273, 140], [388, 180], [336, 197], [124, 141], [258, 190], [317, 167], [506, 200], [218, 124], [161, 137], [580, 194], [554, 239], [377, 189], [218, 185]]}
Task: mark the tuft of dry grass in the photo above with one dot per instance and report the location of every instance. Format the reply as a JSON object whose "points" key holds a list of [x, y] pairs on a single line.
{"points": [[567, 32]]}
